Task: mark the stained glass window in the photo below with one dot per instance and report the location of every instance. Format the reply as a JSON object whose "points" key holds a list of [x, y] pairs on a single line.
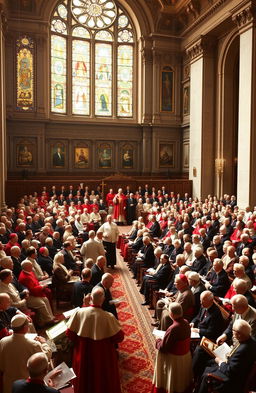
{"points": [[81, 77], [58, 72], [25, 74], [124, 80], [92, 59]]}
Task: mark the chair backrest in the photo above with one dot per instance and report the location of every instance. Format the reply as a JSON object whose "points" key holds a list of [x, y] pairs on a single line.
{"points": [[251, 380]]}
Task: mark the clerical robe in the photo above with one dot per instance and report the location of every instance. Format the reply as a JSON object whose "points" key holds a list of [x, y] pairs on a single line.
{"points": [[120, 207], [95, 334]]}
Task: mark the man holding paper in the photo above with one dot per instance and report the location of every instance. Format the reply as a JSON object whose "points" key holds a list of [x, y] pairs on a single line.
{"points": [[234, 370]]}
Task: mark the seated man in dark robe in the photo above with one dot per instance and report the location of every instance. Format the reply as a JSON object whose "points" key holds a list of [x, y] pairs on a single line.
{"points": [[233, 372], [82, 288], [106, 283], [38, 368], [157, 279], [218, 281], [145, 257]]}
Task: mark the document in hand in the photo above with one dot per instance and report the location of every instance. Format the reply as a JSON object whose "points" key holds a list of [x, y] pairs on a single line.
{"points": [[214, 350], [61, 379], [158, 333]]}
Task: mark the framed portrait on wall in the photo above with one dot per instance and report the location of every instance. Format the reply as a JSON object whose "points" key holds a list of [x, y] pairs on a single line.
{"points": [[25, 154], [186, 155], [105, 156], [127, 156], [167, 96], [186, 100], [58, 155], [81, 156], [166, 155]]}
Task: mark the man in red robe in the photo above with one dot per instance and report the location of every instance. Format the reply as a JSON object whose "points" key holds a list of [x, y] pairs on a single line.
{"points": [[120, 206], [95, 334]]}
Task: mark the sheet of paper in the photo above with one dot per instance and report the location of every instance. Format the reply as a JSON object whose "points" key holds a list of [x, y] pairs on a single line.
{"points": [[60, 380], [222, 351], [47, 281], [194, 335], [116, 301], [158, 333]]}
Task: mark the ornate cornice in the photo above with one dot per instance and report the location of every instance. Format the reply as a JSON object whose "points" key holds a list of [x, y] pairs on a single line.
{"points": [[204, 45], [244, 17]]}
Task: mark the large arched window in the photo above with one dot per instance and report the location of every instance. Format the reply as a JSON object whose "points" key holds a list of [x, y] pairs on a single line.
{"points": [[92, 59]]}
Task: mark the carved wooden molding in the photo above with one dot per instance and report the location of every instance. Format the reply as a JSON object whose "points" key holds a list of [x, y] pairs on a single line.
{"points": [[245, 16], [202, 46], [3, 19]]}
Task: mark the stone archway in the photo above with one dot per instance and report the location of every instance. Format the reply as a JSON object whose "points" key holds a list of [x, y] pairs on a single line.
{"points": [[228, 112]]}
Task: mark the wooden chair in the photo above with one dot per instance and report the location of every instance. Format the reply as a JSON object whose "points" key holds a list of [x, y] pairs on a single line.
{"points": [[250, 384]]}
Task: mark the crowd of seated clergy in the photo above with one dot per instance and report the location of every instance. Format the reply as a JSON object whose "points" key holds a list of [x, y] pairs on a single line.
{"points": [[197, 254], [211, 248]]}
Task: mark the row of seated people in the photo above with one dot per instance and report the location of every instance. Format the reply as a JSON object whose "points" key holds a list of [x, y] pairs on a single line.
{"points": [[210, 278]]}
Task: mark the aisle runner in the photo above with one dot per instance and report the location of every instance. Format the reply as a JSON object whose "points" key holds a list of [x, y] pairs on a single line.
{"points": [[136, 352]]}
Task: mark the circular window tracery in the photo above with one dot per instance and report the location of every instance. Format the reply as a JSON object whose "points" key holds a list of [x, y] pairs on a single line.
{"points": [[95, 14]]}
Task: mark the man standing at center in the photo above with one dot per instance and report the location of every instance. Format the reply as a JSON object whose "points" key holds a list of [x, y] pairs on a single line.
{"points": [[110, 237], [120, 207]]}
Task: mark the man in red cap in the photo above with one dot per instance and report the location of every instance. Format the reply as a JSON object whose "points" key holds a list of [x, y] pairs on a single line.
{"points": [[13, 241], [184, 297]]}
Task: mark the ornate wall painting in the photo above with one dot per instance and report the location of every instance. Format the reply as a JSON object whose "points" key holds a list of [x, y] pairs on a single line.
{"points": [[186, 100], [25, 74], [58, 155], [127, 157], [25, 152], [166, 155], [167, 91], [105, 156], [81, 155]]}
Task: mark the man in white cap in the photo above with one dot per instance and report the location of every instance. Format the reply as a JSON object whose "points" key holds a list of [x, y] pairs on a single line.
{"points": [[16, 349]]}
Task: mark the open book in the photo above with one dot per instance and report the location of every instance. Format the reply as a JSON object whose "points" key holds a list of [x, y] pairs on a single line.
{"points": [[57, 331], [214, 350]]}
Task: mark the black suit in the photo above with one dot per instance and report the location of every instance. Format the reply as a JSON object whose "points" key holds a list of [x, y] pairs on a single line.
{"points": [[210, 324], [148, 259], [69, 261], [106, 306], [198, 264], [80, 289], [97, 274], [160, 280], [46, 264], [155, 230], [131, 210], [233, 372], [16, 266], [219, 283], [138, 244], [25, 386]]}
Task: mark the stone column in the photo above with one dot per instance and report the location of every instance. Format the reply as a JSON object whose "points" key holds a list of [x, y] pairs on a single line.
{"points": [[202, 87], [156, 86], [3, 166], [246, 168]]}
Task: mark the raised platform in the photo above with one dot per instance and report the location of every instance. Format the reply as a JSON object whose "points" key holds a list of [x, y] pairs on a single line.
{"points": [[16, 188]]}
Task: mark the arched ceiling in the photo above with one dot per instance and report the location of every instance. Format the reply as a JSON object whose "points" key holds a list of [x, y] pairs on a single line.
{"points": [[166, 16]]}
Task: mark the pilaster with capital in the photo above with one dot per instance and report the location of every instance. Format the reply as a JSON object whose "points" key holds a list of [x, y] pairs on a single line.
{"points": [[244, 16], [147, 65], [156, 85], [202, 86]]}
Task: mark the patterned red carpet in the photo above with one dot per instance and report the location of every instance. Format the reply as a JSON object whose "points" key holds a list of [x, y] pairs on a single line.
{"points": [[137, 351]]}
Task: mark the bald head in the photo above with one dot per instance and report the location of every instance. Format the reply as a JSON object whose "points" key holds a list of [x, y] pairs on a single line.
{"points": [[37, 365], [107, 280], [97, 296]]}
